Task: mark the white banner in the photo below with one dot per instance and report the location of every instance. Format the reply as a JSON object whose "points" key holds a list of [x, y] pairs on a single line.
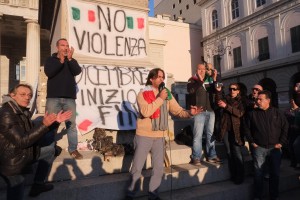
{"points": [[104, 31], [106, 96]]}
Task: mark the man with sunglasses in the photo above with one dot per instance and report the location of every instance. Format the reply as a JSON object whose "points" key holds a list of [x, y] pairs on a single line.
{"points": [[251, 101], [201, 88]]}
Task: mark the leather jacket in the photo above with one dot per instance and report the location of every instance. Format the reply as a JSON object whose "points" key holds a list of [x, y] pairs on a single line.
{"points": [[18, 139]]}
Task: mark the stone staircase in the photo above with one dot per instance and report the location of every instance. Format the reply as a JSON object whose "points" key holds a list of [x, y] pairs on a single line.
{"points": [[94, 178]]}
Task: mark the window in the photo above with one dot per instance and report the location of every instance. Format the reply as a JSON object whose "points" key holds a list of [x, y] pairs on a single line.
{"points": [[263, 49], [180, 12], [260, 2], [237, 57], [214, 19], [179, 1], [187, 7], [295, 38], [235, 9], [217, 59], [17, 72], [174, 17], [195, 1], [173, 6]]}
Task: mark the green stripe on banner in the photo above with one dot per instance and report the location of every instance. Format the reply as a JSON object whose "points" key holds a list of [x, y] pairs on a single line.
{"points": [[75, 13], [129, 22]]}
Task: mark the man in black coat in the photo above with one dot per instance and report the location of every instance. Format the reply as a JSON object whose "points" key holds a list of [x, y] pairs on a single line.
{"points": [[266, 130], [19, 143]]}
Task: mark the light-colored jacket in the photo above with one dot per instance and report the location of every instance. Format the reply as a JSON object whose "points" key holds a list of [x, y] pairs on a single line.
{"points": [[144, 124]]}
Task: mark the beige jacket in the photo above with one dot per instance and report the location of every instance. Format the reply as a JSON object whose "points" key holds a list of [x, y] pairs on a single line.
{"points": [[144, 125]]}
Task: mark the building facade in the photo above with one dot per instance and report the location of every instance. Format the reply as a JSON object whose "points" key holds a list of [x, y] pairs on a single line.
{"points": [[253, 41]]}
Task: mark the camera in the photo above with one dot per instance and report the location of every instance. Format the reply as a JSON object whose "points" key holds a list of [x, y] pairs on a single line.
{"points": [[219, 85]]}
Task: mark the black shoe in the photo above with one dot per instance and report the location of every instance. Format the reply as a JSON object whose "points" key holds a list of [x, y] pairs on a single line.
{"points": [[195, 162], [37, 189], [215, 160]]}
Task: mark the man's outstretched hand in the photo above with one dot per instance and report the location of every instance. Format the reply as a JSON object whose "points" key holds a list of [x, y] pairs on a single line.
{"points": [[195, 110], [49, 119], [63, 116]]}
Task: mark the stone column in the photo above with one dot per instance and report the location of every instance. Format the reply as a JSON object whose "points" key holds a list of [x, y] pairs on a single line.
{"points": [[32, 52], [1, 15]]}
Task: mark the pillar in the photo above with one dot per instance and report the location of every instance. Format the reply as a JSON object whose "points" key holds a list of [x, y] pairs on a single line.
{"points": [[32, 52]]}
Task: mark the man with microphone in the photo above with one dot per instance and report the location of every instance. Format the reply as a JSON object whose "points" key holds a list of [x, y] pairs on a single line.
{"points": [[154, 101]]}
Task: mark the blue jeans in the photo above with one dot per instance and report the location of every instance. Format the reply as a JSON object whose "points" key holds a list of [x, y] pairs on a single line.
{"points": [[235, 158], [44, 163], [266, 160], [204, 122], [54, 105]]}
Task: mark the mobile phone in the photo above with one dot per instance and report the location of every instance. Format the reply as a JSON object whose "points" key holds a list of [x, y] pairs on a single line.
{"points": [[219, 85]]}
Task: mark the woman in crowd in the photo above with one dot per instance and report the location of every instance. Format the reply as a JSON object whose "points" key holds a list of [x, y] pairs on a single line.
{"points": [[233, 111]]}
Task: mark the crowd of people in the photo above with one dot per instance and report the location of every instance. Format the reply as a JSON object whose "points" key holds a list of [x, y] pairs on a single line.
{"points": [[230, 118]]}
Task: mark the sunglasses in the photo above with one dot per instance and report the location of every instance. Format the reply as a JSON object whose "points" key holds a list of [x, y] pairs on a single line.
{"points": [[256, 89], [233, 89]]}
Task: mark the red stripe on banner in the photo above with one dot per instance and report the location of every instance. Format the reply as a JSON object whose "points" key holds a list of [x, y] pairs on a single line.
{"points": [[140, 23], [91, 15], [84, 125]]}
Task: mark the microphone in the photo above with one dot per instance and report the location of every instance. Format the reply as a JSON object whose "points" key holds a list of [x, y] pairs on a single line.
{"points": [[161, 86]]}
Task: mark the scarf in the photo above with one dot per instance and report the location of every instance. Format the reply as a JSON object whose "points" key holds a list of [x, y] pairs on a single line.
{"points": [[159, 118]]}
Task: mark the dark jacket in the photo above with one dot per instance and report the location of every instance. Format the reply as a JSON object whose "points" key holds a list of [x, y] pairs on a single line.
{"points": [[249, 102], [17, 139], [200, 96], [293, 117], [61, 77], [232, 117], [266, 127]]}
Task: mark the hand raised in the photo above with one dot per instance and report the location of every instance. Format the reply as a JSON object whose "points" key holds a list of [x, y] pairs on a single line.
{"points": [[63, 116], [49, 119], [222, 104], [196, 110], [70, 53]]}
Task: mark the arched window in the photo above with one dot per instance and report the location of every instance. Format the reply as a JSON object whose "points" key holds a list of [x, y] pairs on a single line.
{"points": [[235, 9], [214, 19]]}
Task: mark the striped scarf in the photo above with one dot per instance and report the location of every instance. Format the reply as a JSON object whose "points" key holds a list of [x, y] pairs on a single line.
{"points": [[159, 118]]}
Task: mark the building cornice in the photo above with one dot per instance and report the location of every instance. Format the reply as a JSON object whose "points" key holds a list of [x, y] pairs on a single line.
{"points": [[253, 19], [25, 12], [161, 42], [263, 66]]}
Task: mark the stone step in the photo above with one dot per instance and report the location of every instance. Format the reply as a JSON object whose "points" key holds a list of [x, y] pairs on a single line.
{"points": [[114, 186], [289, 189], [93, 164], [186, 181]]}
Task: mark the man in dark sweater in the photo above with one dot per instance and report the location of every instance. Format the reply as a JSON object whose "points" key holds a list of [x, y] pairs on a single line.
{"points": [[61, 69], [266, 130]]}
